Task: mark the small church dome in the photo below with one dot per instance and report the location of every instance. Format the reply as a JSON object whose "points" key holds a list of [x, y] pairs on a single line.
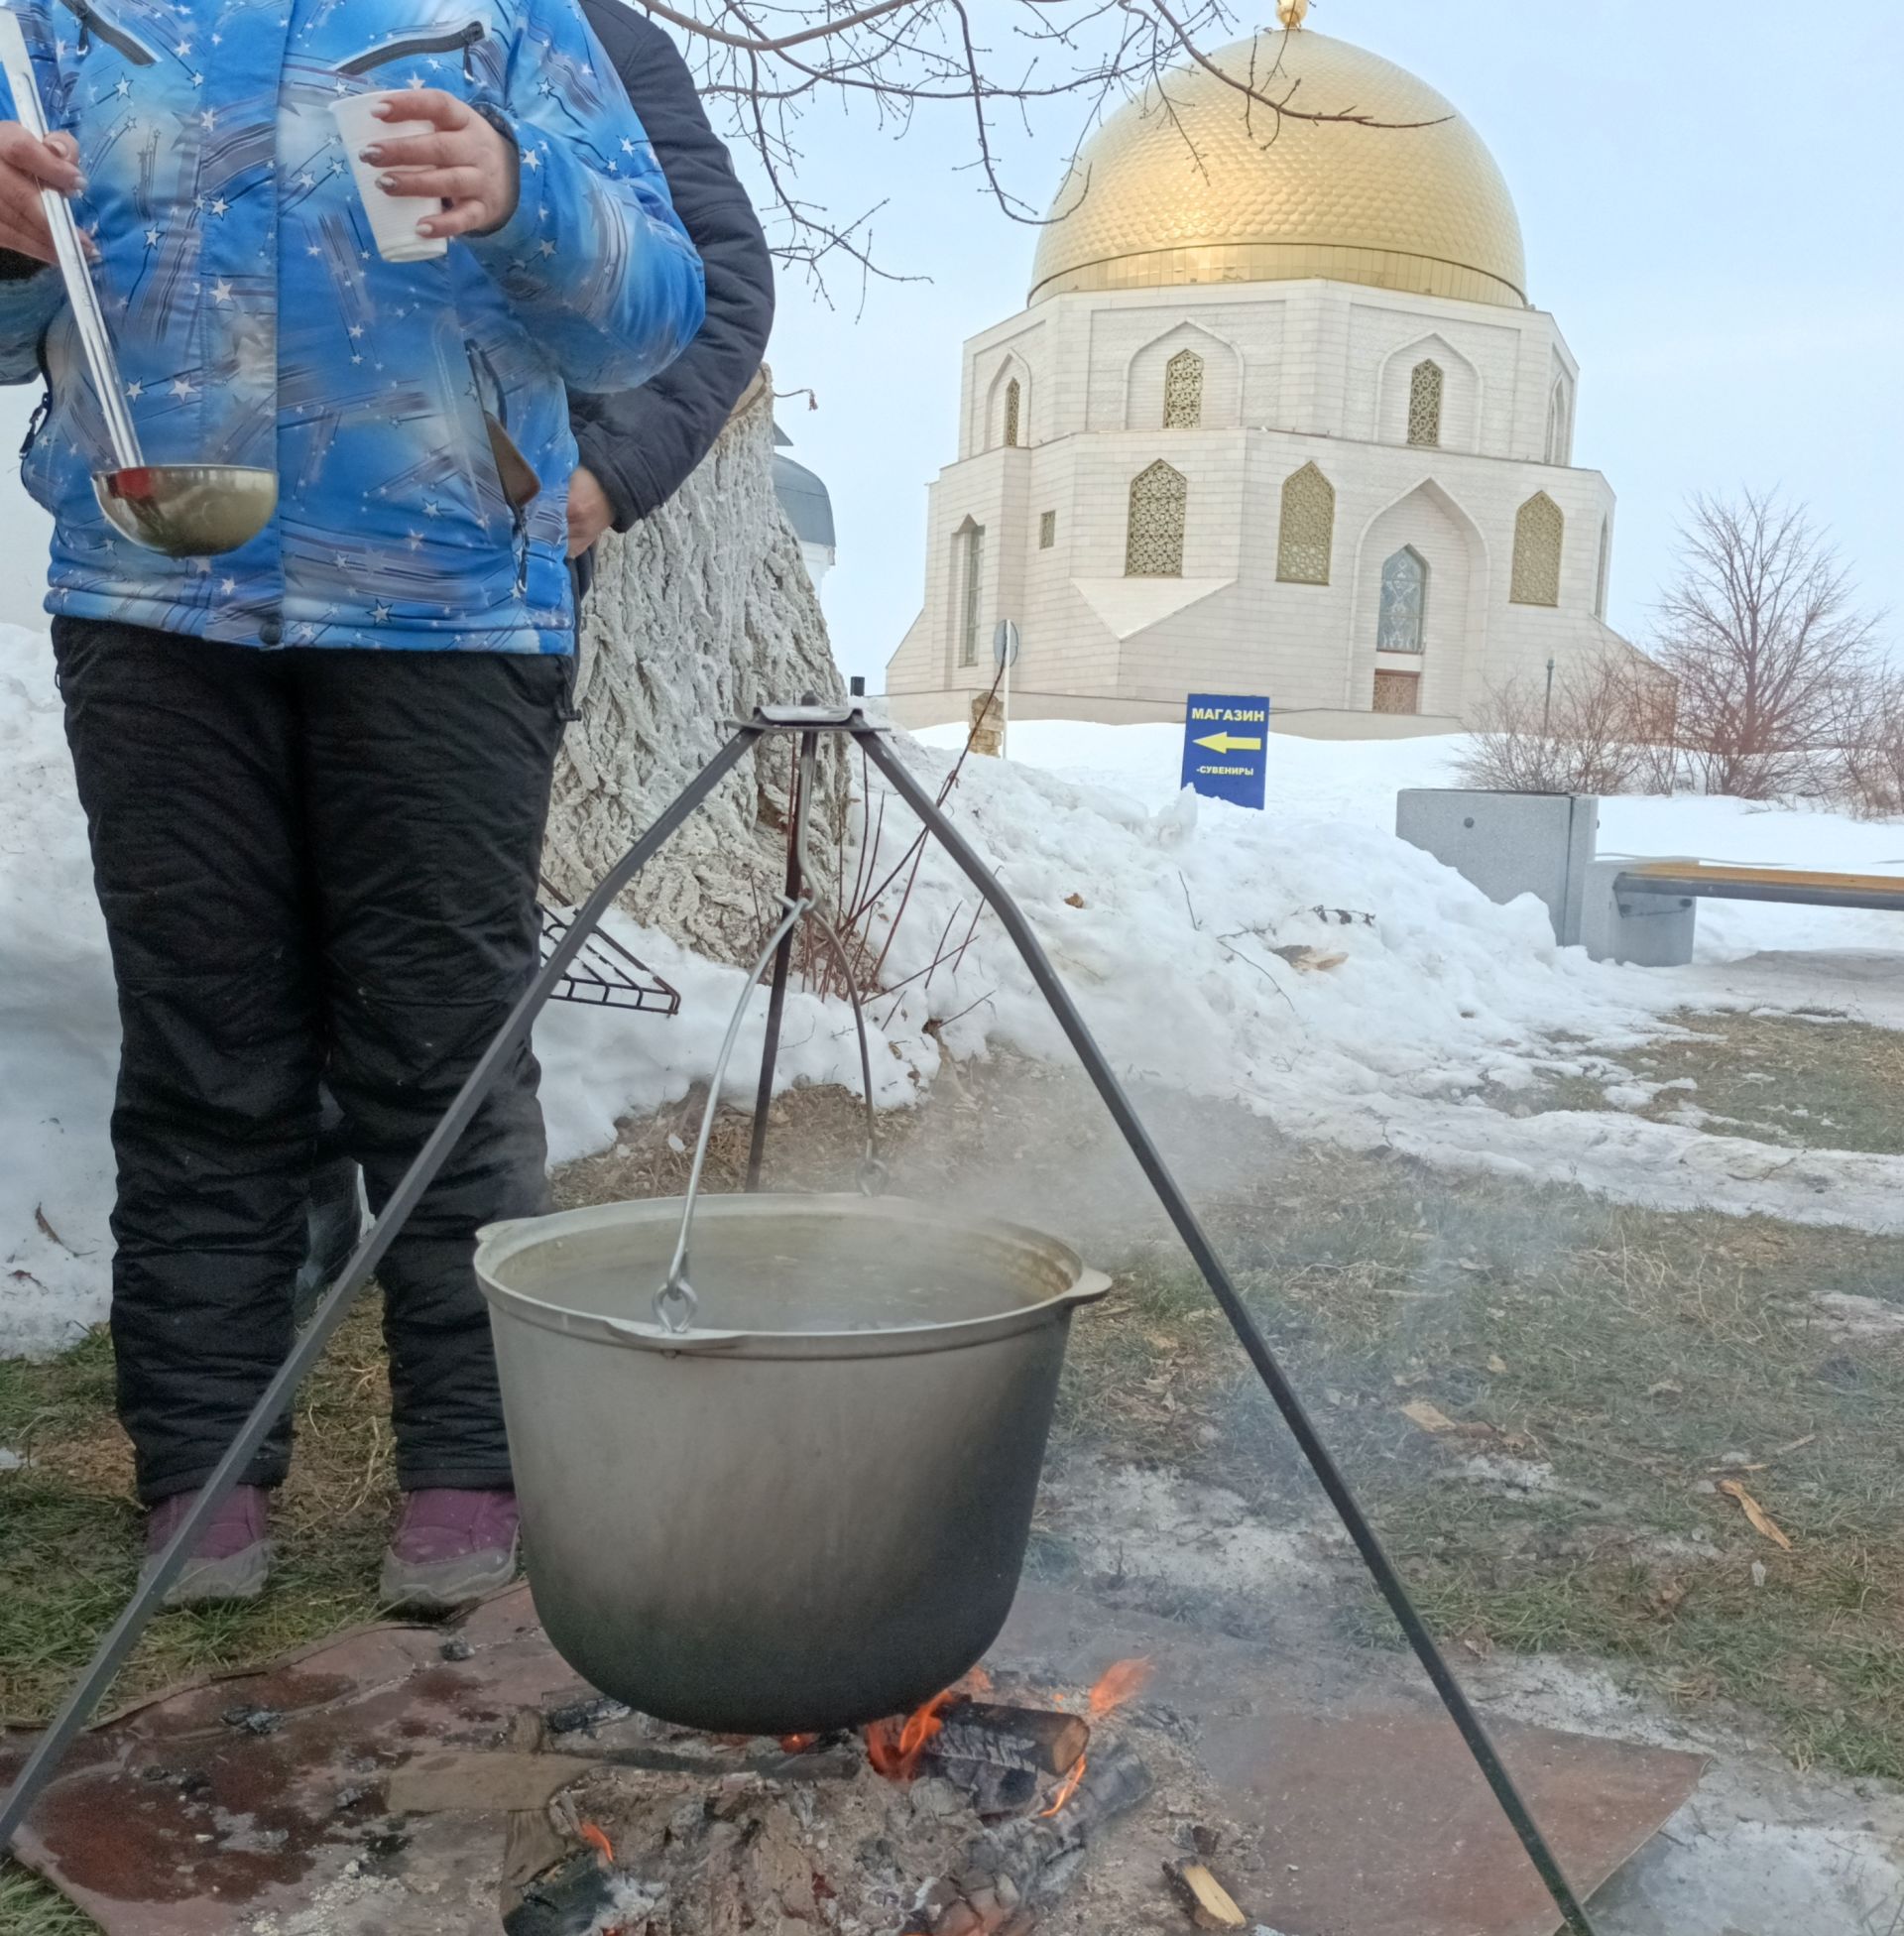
{"points": [[1217, 188]]}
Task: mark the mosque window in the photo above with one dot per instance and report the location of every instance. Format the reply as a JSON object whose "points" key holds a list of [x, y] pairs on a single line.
{"points": [[1154, 539], [1424, 403], [1014, 401], [1559, 424], [1404, 601], [1047, 529], [1604, 568], [1183, 390], [1308, 527], [971, 543], [1539, 529]]}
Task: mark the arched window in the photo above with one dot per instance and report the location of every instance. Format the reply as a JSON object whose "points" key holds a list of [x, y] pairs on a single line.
{"points": [[970, 546], [1559, 424], [1404, 601], [1604, 569], [1183, 390], [1154, 538], [1308, 531], [1424, 403], [1014, 398], [1539, 530]]}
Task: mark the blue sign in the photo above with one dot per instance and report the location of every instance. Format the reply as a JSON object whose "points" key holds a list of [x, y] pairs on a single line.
{"points": [[1225, 747]]}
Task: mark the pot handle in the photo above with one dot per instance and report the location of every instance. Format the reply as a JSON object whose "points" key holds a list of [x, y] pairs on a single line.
{"points": [[1090, 1288]]}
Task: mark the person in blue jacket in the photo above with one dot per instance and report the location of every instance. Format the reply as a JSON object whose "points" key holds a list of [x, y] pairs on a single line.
{"points": [[315, 769], [636, 446]]}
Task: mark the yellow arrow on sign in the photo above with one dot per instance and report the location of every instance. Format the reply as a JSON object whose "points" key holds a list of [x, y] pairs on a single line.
{"points": [[1228, 742]]}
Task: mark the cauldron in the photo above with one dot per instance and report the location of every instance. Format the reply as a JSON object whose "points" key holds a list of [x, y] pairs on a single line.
{"points": [[812, 1511]]}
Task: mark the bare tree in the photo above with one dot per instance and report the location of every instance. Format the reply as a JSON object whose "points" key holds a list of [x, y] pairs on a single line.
{"points": [[1765, 646], [771, 62]]}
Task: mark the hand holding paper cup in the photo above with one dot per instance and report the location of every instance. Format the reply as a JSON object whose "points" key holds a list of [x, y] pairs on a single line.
{"points": [[393, 218], [429, 165]]}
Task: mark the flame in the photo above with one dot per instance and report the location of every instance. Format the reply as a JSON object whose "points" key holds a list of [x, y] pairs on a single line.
{"points": [[895, 1746], [797, 1744], [1117, 1685], [598, 1840], [1068, 1787]]}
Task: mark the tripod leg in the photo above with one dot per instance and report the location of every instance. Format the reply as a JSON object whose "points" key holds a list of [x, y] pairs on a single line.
{"points": [[782, 960], [1453, 1696]]}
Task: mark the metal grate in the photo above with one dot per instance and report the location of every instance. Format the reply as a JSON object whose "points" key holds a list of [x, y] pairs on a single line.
{"points": [[1308, 527], [604, 974], [1183, 390], [1154, 539], [1398, 693], [1013, 398], [1424, 403], [1539, 531], [1047, 529]]}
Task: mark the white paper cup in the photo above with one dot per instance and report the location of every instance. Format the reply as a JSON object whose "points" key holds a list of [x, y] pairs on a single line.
{"points": [[393, 218]]}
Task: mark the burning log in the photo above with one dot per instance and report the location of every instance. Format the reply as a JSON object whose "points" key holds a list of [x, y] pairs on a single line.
{"points": [[1007, 1872], [1039, 1740]]}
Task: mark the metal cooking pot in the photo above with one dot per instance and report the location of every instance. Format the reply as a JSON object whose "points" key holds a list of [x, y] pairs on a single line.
{"points": [[807, 1520]]}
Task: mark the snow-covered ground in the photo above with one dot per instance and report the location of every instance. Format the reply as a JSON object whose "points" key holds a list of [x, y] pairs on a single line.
{"points": [[1161, 912]]}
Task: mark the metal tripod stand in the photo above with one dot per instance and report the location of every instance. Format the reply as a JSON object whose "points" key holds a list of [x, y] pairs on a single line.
{"points": [[810, 724]]}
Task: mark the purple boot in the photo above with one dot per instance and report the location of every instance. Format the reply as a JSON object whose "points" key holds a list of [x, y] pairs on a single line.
{"points": [[450, 1546], [234, 1555]]}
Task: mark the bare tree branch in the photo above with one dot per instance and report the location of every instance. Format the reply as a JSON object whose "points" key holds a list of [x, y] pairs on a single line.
{"points": [[772, 62]]}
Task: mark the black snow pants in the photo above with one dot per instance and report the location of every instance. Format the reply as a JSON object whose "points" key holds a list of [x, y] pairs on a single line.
{"points": [[315, 866]]}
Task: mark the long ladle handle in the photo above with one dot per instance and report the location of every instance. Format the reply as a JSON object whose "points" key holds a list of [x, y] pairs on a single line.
{"points": [[66, 246]]}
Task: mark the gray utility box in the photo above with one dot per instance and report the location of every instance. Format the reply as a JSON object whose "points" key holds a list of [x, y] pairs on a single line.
{"points": [[1510, 844]]}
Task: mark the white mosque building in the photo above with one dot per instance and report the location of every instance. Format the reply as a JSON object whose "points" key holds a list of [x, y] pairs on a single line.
{"points": [[1277, 418]]}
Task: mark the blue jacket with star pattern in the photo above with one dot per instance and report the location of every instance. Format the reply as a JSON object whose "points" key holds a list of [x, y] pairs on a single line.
{"points": [[256, 323]]}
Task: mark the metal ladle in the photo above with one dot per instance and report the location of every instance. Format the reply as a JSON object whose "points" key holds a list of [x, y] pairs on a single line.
{"points": [[185, 511]]}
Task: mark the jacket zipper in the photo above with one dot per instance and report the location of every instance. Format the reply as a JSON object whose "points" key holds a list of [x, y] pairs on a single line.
{"points": [[465, 37], [91, 23]]}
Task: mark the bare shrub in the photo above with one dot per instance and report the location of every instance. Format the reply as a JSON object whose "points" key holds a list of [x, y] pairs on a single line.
{"points": [[1768, 654], [1592, 737], [1870, 747]]}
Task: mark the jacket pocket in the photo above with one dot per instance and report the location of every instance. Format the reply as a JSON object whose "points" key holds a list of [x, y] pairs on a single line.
{"points": [[95, 25], [413, 47]]}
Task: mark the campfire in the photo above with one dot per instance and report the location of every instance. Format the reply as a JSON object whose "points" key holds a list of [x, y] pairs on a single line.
{"points": [[979, 1814]]}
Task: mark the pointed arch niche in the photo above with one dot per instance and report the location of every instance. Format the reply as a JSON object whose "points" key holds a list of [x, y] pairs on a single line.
{"points": [[1430, 396], [1421, 573], [1184, 379], [1008, 407]]}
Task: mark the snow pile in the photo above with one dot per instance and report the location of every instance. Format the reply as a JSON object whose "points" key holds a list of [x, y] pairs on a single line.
{"points": [[1302, 962], [58, 1027]]}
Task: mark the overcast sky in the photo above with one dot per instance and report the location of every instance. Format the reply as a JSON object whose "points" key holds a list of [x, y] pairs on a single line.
{"points": [[1710, 195]]}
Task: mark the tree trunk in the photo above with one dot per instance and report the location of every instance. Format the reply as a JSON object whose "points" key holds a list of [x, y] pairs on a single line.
{"points": [[701, 612]]}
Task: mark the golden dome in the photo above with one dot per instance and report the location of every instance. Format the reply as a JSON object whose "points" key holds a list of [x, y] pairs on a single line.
{"points": [[1222, 191]]}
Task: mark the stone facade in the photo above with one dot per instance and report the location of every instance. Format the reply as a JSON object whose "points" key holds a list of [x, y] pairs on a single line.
{"points": [[1064, 409]]}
